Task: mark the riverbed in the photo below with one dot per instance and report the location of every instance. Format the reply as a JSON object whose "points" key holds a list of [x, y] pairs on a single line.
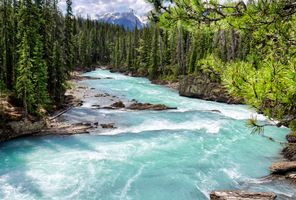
{"points": [[174, 154]]}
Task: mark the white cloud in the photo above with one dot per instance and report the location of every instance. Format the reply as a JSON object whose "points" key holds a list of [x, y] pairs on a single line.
{"points": [[98, 7]]}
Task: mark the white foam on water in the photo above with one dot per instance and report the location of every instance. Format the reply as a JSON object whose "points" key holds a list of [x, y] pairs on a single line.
{"points": [[129, 183], [158, 125], [232, 173]]}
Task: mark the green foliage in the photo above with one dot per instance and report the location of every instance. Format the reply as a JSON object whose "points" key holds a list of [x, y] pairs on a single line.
{"points": [[24, 84], [210, 66], [40, 75], [293, 126], [50, 46], [250, 47], [256, 128]]}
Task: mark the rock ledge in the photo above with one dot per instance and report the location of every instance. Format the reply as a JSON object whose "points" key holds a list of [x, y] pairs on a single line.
{"points": [[241, 195], [283, 167]]}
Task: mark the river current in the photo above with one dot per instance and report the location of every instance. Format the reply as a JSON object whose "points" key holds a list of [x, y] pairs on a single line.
{"points": [[178, 154]]}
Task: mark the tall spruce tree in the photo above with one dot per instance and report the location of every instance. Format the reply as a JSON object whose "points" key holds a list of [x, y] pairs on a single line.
{"points": [[68, 38], [24, 85], [40, 76]]}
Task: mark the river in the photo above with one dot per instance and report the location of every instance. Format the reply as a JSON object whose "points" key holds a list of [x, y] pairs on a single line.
{"points": [[178, 154]]}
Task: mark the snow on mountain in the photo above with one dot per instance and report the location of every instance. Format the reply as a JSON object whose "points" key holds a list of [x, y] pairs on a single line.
{"points": [[128, 20]]}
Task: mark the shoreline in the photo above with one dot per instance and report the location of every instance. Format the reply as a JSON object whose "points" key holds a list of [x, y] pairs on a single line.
{"points": [[52, 124]]}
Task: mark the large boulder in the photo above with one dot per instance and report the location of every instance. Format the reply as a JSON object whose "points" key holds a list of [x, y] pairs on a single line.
{"points": [[202, 87], [241, 195], [283, 167], [21, 128]]}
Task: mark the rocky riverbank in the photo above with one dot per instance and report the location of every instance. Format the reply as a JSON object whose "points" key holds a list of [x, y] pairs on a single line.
{"points": [[15, 126], [200, 87]]}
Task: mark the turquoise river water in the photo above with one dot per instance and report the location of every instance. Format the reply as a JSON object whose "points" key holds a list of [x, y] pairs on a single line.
{"points": [[179, 154]]}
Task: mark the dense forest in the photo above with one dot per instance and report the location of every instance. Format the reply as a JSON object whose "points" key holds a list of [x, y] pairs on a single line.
{"points": [[249, 47], [40, 47]]}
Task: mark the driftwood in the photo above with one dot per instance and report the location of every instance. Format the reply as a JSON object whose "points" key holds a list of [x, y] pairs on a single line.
{"points": [[61, 113]]}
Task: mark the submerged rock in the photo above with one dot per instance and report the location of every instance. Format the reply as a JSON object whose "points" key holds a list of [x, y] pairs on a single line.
{"points": [[283, 167], [241, 195], [216, 111], [203, 88], [118, 104], [148, 106], [108, 126]]}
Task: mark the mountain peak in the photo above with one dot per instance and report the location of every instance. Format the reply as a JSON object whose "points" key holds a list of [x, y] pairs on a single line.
{"points": [[128, 20]]}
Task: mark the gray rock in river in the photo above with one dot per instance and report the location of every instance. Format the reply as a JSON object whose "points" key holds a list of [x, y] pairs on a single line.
{"points": [[148, 106], [242, 195], [118, 104], [108, 126], [283, 167], [203, 88]]}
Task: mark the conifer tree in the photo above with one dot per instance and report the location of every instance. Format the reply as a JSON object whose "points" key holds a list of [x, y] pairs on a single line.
{"points": [[193, 57], [129, 53], [68, 38], [59, 74], [154, 54], [24, 84], [40, 77]]}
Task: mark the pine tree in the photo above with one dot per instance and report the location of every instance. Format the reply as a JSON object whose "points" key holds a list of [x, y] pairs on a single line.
{"points": [[193, 57], [40, 75], [59, 74], [154, 54], [68, 38], [129, 53], [7, 37], [180, 51], [24, 84]]}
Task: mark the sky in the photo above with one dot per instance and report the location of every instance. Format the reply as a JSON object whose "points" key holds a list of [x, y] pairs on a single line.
{"points": [[98, 7]]}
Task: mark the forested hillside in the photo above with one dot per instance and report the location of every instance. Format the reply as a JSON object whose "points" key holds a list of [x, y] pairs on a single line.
{"points": [[40, 47], [250, 48]]}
